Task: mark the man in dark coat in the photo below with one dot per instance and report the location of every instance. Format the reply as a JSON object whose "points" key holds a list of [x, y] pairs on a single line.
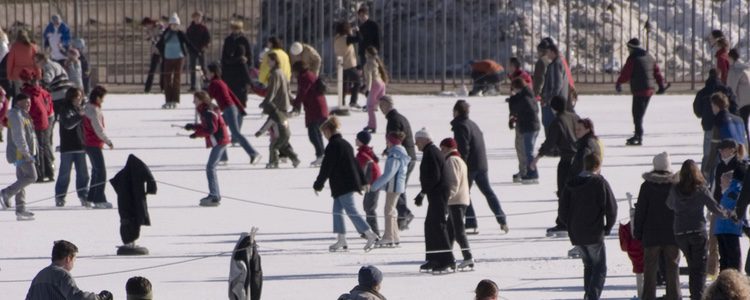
{"points": [[643, 73], [236, 55], [198, 35], [368, 34], [433, 186], [397, 122], [470, 142], [589, 210], [702, 110], [132, 184]]}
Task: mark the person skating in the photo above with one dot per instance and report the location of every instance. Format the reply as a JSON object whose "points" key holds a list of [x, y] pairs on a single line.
{"points": [[198, 35], [42, 114], [726, 126], [368, 162], [274, 46], [214, 130], [153, 30], [588, 209], [56, 38], [456, 175], [53, 78], [485, 74], [652, 226], [524, 120], [173, 47], [572, 96], [95, 138], [396, 122], [719, 43], [586, 143], [369, 283], [540, 68], [376, 77], [729, 156], [555, 85], [643, 73], [79, 44], [20, 57], [562, 138], [393, 181], [277, 85], [343, 47], [726, 230], [278, 123], [434, 187], [21, 150], [236, 58], [702, 110], [515, 71], [340, 168], [72, 150], [739, 82], [56, 282], [316, 108], [73, 69], [305, 53]]}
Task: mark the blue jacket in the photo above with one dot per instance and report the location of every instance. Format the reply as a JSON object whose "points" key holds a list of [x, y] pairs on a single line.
{"points": [[729, 202], [64, 34], [394, 174], [730, 127]]}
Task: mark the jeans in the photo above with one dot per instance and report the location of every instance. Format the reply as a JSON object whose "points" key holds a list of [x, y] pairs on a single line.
{"points": [[171, 80], [345, 203], [25, 175], [594, 258], [67, 160], [457, 231], [403, 211], [547, 116], [694, 247], [707, 137], [195, 58], [316, 137], [44, 165], [352, 83], [729, 251], [525, 150], [370, 205], [671, 255], [389, 211], [232, 117], [155, 62], [483, 183], [213, 160], [377, 90], [98, 175], [640, 103]]}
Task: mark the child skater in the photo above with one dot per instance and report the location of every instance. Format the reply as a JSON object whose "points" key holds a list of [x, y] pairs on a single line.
{"points": [[368, 162], [280, 144]]}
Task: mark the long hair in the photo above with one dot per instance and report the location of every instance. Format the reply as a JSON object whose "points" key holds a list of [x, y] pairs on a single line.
{"points": [[97, 93], [373, 52], [23, 37], [275, 58], [691, 178], [72, 93]]}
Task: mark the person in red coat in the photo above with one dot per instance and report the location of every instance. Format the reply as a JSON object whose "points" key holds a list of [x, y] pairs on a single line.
{"points": [[634, 249], [95, 138], [719, 41], [42, 114], [316, 108], [232, 111], [214, 130], [515, 71]]}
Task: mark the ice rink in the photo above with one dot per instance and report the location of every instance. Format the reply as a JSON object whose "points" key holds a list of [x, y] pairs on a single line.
{"points": [[189, 244]]}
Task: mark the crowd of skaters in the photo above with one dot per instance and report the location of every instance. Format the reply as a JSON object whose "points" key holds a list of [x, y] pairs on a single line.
{"points": [[49, 85]]}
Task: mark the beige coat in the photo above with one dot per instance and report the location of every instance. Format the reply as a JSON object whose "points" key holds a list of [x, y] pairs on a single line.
{"points": [[739, 81], [278, 91], [310, 57], [341, 48], [456, 176], [372, 73]]}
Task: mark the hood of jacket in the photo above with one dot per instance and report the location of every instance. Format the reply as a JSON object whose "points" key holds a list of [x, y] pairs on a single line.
{"points": [[363, 293], [398, 152], [579, 182], [32, 90], [659, 177]]}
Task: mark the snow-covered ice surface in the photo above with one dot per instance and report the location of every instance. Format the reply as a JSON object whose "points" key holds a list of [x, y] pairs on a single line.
{"points": [[188, 243]]}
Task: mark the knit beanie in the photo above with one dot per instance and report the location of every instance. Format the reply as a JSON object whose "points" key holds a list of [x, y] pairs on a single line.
{"points": [[386, 99], [364, 137], [174, 19], [296, 48], [423, 133], [634, 43], [393, 138], [369, 276], [449, 143], [662, 162]]}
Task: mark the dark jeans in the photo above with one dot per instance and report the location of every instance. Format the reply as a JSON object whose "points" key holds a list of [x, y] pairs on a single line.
{"points": [[403, 211], [483, 183], [232, 117], [370, 205], [129, 230], [695, 248], [729, 251], [44, 158], [547, 116], [563, 170], [651, 265], [98, 175], [352, 83], [639, 110], [594, 258], [171, 80], [196, 58], [67, 160], [456, 231], [483, 82], [436, 232], [316, 137], [745, 114], [155, 63]]}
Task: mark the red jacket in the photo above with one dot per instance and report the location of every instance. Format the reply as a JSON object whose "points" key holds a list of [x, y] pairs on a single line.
{"points": [[212, 126], [41, 106], [722, 64], [365, 155], [219, 90], [93, 126], [519, 73], [316, 108], [571, 82], [633, 247]]}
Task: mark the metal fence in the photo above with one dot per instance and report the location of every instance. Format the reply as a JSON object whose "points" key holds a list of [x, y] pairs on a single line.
{"points": [[423, 41]]}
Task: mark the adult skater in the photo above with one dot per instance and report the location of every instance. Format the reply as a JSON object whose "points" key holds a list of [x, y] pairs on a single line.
{"points": [[343, 47], [42, 114], [485, 74], [739, 82], [368, 162], [719, 42], [214, 130], [540, 68], [368, 33], [652, 225], [73, 68], [470, 140], [687, 198], [346, 178], [21, 150], [524, 120], [56, 282], [369, 283], [643, 73], [726, 124], [396, 122], [173, 47], [589, 210], [561, 137], [702, 110], [153, 30], [72, 150], [572, 96], [277, 84], [236, 58], [313, 100], [54, 78], [56, 38], [393, 182], [95, 138], [433, 184], [376, 76], [307, 54], [274, 46], [555, 85], [199, 36], [456, 178]]}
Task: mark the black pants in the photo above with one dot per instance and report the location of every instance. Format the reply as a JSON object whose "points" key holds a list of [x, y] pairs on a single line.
{"points": [[316, 137], [370, 206], [594, 258], [640, 103], [155, 63], [403, 211], [483, 82], [196, 58], [43, 162], [729, 251], [352, 83], [563, 173], [129, 231], [457, 231], [745, 114], [695, 248], [436, 231]]}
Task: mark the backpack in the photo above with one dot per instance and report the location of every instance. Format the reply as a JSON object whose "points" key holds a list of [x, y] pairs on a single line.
{"points": [[321, 86]]}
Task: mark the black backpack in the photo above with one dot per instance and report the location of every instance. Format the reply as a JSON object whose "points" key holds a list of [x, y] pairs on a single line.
{"points": [[321, 86]]}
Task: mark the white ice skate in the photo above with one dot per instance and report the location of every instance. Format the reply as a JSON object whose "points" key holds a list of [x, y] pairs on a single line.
{"points": [[466, 265], [386, 244], [372, 238], [317, 162], [24, 215], [340, 244]]}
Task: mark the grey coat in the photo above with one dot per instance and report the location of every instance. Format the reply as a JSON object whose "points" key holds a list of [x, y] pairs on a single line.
{"points": [[555, 82], [278, 91], [21, 137], [688, 210], [56, 283]]}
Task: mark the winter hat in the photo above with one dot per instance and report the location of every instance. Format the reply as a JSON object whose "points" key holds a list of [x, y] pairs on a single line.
{"points": [[369, 276], [394, 138], [28, 74], [726, 144], [386, 99], [364, 137], [73, 52], [78, 43], [423, 133], [634, 43], [296, 48], [174, 19], [449, 143], [662, 162], [55, 18]]}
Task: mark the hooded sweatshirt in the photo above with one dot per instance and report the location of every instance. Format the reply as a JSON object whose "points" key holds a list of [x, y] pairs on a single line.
{"points": [[588, 208], [41, 106], [368, 162]]}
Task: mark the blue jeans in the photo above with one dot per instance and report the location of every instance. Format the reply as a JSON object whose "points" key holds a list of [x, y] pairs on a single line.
{"points": [[483, 183], [547, 116], [213, 160], [67, 160], [346, 203], [525, 150], [233, 119], [594, 258], [316, 137], [98, 175]]}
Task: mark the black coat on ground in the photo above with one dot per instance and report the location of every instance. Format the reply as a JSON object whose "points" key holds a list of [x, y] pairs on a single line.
{"points": [[397, 122], [653, 224], [562, 135], [435, 224], [132, 184], [245, 272], [524, 107], [470, 140], [588, 208], [340, 168]]}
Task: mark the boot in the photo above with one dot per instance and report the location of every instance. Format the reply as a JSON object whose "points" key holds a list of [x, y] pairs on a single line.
{"points": [[639, 284], [466, 263], [24, 215], [340, 244], [633, 141], [371, 239]]}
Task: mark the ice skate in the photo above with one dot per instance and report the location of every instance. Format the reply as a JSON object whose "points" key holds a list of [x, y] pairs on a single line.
{"points": [[557, 231], [426, 267], [317, 162], [283, 160], [472, 231], [574, 253], [372, 238], [633, 141], [131, 249], [403, 224], [5, 201], [59, 202], [255, 158], [386, 244], [85, 203], [504, 228], [340, 244], [517, 178], [272, 165], [24, 215], [295, 163], [466, 265], [210, 201], [444, 269], [530, 178], [102, 205]]}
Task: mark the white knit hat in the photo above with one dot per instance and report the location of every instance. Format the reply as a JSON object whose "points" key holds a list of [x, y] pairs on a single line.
{"points": [[296, 48], [662, 162], [422, 133], [174, 19]]}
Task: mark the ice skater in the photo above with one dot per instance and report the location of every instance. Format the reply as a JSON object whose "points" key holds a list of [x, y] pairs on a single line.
{"points": [[21, 151], [396, 122], [311, 97], [456, 175], [95, 138], [393, 181], [524, 120], [376, 76], [42, 115], [343, 46], [278, 124], [55, 280], [72, 150], [368, 162], [485, 75]]}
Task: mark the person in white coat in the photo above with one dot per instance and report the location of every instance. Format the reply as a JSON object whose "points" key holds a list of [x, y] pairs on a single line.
{"points": [[739, 82], [456, 179]]}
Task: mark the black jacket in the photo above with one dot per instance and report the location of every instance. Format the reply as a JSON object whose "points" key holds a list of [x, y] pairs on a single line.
{"points": [[132, 184], [198, 35], [525, 109], [185, 44], [702, 102], [369, 35], [653, 219], [470, 142], [588, 208], [431, 173], [236, 46], [245, 272], [584, 146], [340, 166], [562, 135], [71, 127], [397, 122], [642, 78]]}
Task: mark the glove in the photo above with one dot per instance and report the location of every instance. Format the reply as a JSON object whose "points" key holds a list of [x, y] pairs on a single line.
{"points": [[418, 199], [105, 295], [512, 123], [367, 93], [189, 126], [258, 134], [661, 90], [192, 136], [618, 88]]}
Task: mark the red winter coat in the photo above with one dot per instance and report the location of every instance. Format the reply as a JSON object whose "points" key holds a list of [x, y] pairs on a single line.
{"points": [[722, 64], [316, 108], [212, 126], [633, 247], [365, 155], [219, 90], [41, 106], [523, 75]]}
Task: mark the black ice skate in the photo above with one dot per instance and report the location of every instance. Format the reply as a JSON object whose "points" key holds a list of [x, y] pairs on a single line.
{"points": [[444, 269], [633, 141], [426, 267], [557, 231], [131, 249], [466, 265], [574, 253]]}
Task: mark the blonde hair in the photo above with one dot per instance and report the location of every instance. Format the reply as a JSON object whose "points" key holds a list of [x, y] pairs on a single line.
{"points": [[203, 96], [730, 285], [331, 125]]}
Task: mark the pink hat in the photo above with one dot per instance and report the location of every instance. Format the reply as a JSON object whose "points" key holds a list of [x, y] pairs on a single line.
{"points": [[393, 138]]}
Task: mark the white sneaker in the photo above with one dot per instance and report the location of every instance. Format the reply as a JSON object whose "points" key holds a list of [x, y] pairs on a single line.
{"points": [[24, 215], [102, 205]]}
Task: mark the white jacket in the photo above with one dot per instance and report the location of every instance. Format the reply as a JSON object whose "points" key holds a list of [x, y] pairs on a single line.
{"points": [[739, 81], [456, 176]]}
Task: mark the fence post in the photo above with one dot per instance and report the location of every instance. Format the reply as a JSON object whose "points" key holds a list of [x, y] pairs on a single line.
{"points": [[445, 43], [75, 18], [692, 54]]}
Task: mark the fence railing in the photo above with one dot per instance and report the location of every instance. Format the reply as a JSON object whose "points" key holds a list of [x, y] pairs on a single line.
{"points": [[423, 41]]}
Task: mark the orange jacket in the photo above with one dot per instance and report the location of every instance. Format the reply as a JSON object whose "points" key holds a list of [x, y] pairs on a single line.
{"points": [[486, 66], [21, 56]]}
